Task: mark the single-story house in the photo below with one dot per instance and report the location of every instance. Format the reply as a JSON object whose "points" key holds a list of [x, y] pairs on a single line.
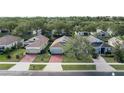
{"points": [[36, 44], [83, 33], [114, 41], [9, 41], [101, 33], [56, 47], [99, 46]]}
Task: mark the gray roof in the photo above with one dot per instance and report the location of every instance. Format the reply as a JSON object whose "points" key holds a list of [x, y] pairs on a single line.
{"points": [[8, 39], [105, 45], [93, 39]]}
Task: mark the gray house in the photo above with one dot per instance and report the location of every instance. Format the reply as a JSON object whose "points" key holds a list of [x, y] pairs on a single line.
{"points": [[83, 33], [99, 46]]}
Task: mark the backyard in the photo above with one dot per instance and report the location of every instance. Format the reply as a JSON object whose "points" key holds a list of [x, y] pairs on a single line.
{"points": [[20, 52]]}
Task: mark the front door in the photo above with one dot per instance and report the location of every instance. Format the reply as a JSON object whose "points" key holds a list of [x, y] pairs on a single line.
{"points": [[102, 50]]}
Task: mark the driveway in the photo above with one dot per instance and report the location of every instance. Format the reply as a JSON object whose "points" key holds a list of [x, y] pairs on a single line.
{"points": [[28, 58], [56, 59], [52, 66], [24, 64], [102, 65]]}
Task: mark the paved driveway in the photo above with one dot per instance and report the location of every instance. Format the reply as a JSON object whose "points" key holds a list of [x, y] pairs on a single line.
{"points": [[102, 65], [28, 58], [24, 64], [52, 66], [56, 59]]}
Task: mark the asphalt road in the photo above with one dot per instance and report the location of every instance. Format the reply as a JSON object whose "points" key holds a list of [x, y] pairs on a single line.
{"points": [[32, 73]]}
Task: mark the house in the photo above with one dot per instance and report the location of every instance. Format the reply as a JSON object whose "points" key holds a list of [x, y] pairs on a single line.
{"points": [[9, 41], [56, 47], [101, 33], [36, 44], [99, 46], [114, 41], [83, 33]]}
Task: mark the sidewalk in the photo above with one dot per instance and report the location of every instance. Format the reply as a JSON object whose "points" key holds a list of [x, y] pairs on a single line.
{"points": [[53, 67], [20, 67], [102, 65]]}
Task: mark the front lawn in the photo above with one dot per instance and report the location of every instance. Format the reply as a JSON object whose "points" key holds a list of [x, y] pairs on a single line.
{"points": [[36, 67], [6, 66], [79, 67], [110, 59], [69, 58], [118, 67], [42, 57], [20, 52]]}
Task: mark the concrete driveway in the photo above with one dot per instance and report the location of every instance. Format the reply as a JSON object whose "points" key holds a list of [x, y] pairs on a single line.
{"points": [[52, 66], [56, 59], [102, 65], [28, 58], [24, 64]]}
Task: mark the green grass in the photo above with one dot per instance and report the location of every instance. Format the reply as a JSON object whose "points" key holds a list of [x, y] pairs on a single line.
{"points": [[42, 58], [110, 59], [79, 67], [36, 67], [68, 58], [6, 66], [3, 57], [118, 67]]}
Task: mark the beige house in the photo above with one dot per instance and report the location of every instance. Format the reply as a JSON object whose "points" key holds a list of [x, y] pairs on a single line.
{"points": [[36, 44], [9, 41], [114, 41], [56, 47]]}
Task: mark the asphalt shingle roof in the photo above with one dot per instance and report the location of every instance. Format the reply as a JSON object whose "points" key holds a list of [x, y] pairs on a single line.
{"points": [[8, 39], [41, 40]]}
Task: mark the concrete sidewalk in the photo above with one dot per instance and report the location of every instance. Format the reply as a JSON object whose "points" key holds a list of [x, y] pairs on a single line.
{"points": [[53, 67], [102, 65], [20, 67]]}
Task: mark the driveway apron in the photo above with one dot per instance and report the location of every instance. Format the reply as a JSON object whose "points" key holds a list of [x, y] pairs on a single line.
{"points": [[24, 64], [102, 65], [54, 63]]}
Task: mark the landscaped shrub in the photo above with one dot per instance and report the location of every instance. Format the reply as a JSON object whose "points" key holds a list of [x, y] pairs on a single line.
{"points": [[95, 55], [17, 56], [9, 56]]}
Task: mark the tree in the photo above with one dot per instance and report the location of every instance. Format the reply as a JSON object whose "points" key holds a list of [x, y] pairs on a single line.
{"points": [[119, 54], [79, 46]]}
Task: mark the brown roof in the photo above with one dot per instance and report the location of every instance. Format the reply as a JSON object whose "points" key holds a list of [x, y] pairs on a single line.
{"points": [[41, 40], [8, 39]]}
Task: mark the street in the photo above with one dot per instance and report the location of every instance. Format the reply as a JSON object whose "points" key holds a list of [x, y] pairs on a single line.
{"points": [[36, 73]]}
